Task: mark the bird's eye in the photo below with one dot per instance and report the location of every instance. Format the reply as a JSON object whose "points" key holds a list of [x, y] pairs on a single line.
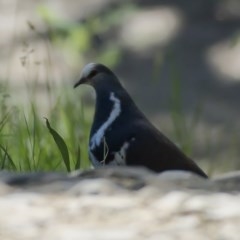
{"points": [[92, 74]]}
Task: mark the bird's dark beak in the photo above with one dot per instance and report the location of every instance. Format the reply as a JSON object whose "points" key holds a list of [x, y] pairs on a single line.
{"points": [[81, 81]]}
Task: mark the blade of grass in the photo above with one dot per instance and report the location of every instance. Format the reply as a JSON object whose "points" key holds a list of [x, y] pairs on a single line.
{"points": [[9, 158], [78, 161], [28, 161], [3, 121], [60, 144]]}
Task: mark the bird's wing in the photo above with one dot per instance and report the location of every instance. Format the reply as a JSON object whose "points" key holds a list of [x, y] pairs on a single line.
{"points": [[152, 149]]}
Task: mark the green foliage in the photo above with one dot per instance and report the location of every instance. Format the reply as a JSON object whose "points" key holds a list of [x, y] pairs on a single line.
{"points": [[26, 145], [78, 39]]}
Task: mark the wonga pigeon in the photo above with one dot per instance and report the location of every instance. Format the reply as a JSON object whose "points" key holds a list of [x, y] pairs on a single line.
{"points": [[121, 134]]}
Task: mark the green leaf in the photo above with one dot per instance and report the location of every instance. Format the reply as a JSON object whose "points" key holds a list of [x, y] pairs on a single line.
{"points": [[61, 145]]}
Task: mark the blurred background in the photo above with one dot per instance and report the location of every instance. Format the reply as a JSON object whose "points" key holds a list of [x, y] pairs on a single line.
{"points": [[179, 60]]}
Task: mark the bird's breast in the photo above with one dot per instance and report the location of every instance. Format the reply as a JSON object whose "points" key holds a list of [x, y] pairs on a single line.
{"points": [[104, 122]]}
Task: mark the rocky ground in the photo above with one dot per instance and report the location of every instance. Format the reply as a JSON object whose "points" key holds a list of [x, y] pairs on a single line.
{"points": [[118, 203]]}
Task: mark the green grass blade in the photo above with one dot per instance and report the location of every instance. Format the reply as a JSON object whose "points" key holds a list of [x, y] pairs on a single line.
{"points": [[3, 121], [61, 145], [78, 161], [7, 156], [29, 160]]}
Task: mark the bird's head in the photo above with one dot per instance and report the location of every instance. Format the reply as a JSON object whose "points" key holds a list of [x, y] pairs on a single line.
{"points": [[94, 74]]}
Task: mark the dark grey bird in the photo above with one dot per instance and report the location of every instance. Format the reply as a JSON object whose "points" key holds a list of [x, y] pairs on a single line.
{"points": [[121, 135]]}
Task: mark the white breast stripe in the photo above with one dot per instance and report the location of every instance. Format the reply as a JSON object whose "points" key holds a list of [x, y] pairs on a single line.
{"points": [[120, 157], [98, 136]]}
